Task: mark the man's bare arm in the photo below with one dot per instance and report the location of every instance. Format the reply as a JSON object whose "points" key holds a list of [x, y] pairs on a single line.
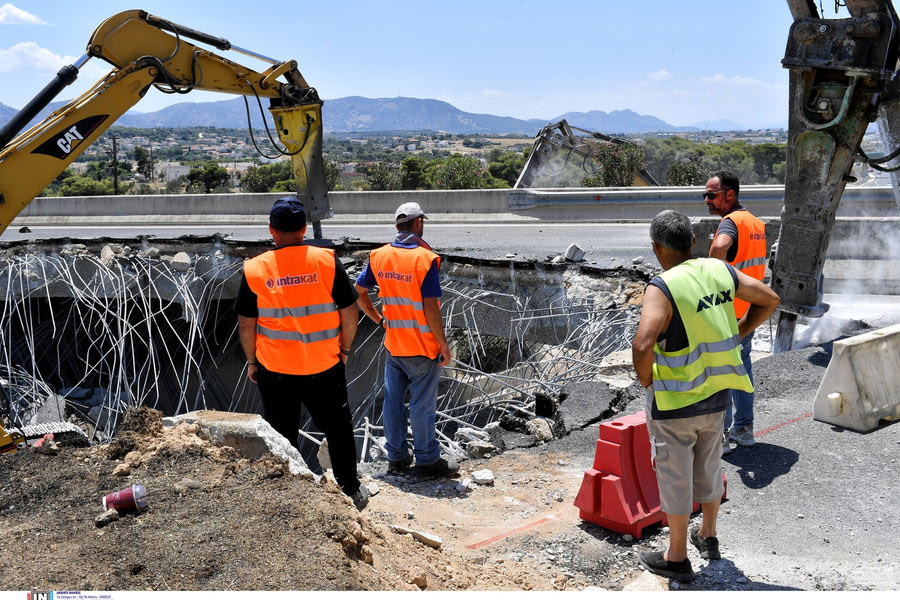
{"points": [[655, 316], [365, 304], [247, 335], [763, 302], [720, 247], [349, 323], [432, 308]]}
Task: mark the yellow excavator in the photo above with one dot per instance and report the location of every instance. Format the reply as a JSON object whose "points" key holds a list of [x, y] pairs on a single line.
{"points": [[148, 51]]}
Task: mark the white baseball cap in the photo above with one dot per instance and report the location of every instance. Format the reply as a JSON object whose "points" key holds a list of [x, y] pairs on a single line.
{"points": [[408, 211]]}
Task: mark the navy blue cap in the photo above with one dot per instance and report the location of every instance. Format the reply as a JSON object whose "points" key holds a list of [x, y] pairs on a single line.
{"points": [[287, 214]]}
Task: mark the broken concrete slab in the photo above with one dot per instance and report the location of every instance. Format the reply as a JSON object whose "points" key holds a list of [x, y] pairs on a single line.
{"points": [[249, 434], [584, 403]]}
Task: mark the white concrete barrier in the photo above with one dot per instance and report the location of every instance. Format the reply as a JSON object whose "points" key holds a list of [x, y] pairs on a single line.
{"points": [[861, 383], [593, 204]]}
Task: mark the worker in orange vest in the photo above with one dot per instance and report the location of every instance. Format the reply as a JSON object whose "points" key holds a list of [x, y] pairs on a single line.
{"points": [[740, 240], [406, 272], [297, 318]]}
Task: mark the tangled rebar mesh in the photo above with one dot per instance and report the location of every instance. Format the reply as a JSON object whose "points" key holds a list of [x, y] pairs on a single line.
{"points": [[543, 347], [109, 335]]}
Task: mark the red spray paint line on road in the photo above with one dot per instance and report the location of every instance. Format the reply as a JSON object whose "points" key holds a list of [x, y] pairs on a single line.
{"points": [[774, 427], [501, 536]]}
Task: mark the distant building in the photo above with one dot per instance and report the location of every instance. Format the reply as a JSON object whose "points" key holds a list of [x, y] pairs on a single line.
{"points": [[174, 170]]}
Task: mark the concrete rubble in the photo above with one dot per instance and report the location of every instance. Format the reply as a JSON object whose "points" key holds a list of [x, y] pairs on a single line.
{"points": [[428, 539]]}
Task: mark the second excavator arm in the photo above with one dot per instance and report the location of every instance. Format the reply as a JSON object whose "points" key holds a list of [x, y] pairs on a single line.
{"points": [[147, 51], [840, 70], [560, 137]]}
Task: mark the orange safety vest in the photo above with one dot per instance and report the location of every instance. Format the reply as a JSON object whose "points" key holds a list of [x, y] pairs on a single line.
{"points": [[400, 273], [751, 253], [298, 330]]}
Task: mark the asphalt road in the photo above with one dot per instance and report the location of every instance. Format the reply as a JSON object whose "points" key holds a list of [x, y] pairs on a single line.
{"points": [[603, 243]]}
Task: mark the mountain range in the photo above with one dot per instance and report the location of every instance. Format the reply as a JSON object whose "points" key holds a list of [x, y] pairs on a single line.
{"points": [[357, 114]]}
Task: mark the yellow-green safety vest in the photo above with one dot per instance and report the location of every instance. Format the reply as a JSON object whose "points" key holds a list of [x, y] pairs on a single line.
{"points": [[703, 290]]}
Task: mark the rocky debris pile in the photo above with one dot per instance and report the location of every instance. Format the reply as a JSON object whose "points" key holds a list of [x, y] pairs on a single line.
{"points": [[213, 521]]}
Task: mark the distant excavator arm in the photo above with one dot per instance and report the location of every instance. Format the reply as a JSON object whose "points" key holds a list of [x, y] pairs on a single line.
{"points": [[560, 137], [145, 51]]}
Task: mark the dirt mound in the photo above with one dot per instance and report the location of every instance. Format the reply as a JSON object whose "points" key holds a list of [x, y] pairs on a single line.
{"points": [[215, 521]]}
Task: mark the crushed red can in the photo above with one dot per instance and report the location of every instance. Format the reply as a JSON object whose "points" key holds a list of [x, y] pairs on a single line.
{"points": [[133, 498]]}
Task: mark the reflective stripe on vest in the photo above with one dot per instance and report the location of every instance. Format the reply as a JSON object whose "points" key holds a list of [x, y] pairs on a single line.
{"points": [[400, 273], [702, 290], [298, 326], [751, 251], [684, 360]]}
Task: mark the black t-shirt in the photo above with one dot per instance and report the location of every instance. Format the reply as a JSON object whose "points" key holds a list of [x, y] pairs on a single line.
{"points": [[675, 338], [342, 292]]}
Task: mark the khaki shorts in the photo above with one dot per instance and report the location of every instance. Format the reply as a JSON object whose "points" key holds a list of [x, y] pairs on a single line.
{"points": [[687, 457]]}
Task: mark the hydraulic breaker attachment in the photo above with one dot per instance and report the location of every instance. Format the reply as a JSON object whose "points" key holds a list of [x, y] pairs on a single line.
{"points": [[839, 69]]}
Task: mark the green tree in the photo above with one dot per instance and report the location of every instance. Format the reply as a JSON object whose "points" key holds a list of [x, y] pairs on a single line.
{"points": [[263, 179], [177, 185], [253, 181], [79, 185], [143, 161], [288, 185], [617, 165], [207, 177], [768, 162], [332, 175], [690, 171], [54, 187], [383, 176], [459, 172], [660, 154], [506, 165], [412, 173]]}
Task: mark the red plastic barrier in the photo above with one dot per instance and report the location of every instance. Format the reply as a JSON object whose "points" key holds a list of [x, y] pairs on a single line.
{"points": [[620, 492]]}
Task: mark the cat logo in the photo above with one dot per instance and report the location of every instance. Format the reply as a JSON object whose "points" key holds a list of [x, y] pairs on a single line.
{"points": [[69, 140], [65, 142], [714, 300]]}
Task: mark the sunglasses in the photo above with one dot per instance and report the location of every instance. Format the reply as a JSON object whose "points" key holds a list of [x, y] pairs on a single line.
{"points": [[711, 195]]}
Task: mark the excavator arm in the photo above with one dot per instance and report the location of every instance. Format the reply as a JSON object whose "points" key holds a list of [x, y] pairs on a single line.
{"points": [[146, 51], [560, 137], [840, 71]]}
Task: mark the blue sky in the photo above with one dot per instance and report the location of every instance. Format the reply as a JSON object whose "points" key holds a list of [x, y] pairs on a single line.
{"points": [[682, 61]]}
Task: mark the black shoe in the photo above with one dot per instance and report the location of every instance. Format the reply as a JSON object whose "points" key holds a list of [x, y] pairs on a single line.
{"points": [[442, 468], [361, 497], [708, 547], [656, 563], [396, 467]]}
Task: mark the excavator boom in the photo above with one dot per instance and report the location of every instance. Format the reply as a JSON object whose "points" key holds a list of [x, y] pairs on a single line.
{"points": [[146, 51]]}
